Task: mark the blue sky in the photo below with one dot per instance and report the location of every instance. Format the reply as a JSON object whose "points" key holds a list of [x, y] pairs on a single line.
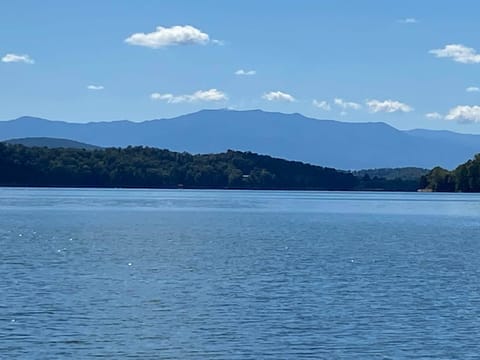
{"points": [[353, 61]]}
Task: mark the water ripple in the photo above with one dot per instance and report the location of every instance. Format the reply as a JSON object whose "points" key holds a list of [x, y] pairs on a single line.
{"points": [[238, 275]]}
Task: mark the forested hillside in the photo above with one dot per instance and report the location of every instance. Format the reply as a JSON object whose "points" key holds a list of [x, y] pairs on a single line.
{"points": [[51, 143], [405, 173], [156, 168], [465, 178], [150, 167]]}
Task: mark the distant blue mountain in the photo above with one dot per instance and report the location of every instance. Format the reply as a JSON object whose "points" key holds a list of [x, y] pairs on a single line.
{"points": [[290, 136], [51, 143]]}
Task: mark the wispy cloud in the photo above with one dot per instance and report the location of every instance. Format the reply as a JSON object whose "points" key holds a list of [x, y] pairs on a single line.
{"points": [[201, 95], [458, 53], [472, 89], [163, 37], [218, 42], [387, 106], [464, 114], [242, 72], [14, 58], [95, 87], [433, 115], [324, 105], [408, 20], [278, 96], [346, 104]]}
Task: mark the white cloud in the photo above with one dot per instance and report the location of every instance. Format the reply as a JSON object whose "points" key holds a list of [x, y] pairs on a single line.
{"points": [[278, 96], [472, 89], [95, 87], [14, 58], [464, 114], [242, 72], [322, 105], [175, 35], [388, 106], [433, 115], [458, 53], [218, 42], [346, 104], [409, 20], [201, 95]]}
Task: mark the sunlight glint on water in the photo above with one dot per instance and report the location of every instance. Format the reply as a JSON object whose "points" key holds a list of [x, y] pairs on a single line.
{"points": [[238, 274]]}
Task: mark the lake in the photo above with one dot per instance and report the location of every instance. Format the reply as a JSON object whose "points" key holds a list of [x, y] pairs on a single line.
{"points": [[180, 274]]}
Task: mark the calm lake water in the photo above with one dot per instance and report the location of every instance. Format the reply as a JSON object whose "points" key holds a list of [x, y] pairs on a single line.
{"points": [[157, 274]]}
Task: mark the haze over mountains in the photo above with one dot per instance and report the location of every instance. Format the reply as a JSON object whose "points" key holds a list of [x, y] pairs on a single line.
{"points": [[290, 136]]}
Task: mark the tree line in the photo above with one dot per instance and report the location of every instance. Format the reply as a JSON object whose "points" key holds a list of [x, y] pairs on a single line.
{"points": [[465, 178], [146, 167]]}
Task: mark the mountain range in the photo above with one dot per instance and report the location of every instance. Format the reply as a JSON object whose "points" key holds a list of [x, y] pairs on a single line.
{"points": [[328, 143]]}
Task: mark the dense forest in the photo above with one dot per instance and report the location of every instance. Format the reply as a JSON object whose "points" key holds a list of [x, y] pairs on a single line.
{"points": [[391, 179], [465, 178], [156, 168], [405, 173]]}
